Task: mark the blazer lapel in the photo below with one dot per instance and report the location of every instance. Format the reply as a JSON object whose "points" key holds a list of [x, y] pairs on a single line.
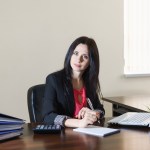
{"points": [[88, 95], [69, 97]]}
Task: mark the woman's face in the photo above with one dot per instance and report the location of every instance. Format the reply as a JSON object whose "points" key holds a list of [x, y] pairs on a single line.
{"points": [[80, 58]]}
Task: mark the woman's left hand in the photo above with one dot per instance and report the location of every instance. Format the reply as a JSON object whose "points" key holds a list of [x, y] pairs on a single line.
{"points": [[82, 112], [85, 110]]}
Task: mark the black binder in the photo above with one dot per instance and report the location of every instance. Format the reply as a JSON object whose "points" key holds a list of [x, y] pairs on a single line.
{"points": [[10, 127]]}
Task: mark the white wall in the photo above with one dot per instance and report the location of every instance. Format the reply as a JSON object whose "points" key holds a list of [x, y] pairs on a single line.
{"points": [[34, 38]]}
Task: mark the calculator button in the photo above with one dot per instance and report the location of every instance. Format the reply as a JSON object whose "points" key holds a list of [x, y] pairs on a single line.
{"points": [[42, 126]]}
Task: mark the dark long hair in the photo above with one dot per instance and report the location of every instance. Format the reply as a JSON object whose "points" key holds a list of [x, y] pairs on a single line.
{"points": [[90, 76]]}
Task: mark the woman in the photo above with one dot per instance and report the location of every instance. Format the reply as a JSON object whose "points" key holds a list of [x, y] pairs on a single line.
{"points": [[67, 91]]}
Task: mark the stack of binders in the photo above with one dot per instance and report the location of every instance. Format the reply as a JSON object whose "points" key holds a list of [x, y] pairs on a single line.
{"points": [[10, 127]]}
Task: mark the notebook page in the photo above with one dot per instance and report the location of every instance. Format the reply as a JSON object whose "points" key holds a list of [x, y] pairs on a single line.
{"points": [[96, 130]]}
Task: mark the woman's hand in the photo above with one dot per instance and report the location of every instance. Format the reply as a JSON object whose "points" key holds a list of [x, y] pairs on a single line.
{"points": [[84, 110], [88, 118], [85, 117]]}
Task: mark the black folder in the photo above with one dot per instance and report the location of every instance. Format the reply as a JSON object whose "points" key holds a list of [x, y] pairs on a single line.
{"points": [[10, 127]]}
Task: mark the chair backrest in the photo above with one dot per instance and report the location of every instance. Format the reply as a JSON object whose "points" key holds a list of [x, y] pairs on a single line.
{"points": [[35, 96]]}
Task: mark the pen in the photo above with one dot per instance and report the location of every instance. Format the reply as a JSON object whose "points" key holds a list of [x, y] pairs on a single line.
{"points": [[91, 106]]}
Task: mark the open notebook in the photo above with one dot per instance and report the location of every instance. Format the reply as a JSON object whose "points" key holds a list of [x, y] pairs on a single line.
{"points": [[132, 119]]}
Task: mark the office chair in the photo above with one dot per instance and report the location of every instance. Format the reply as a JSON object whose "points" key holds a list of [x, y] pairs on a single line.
{"points": [[35, 96]]}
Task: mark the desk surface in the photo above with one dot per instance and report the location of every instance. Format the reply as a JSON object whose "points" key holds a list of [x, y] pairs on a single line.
{"points": [[128, 139], [137, 103]]}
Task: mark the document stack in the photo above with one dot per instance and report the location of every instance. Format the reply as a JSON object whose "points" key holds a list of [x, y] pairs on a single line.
{"points": [[10, 127]]}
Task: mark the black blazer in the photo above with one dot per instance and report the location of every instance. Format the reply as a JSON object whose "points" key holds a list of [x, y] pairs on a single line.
{"points": [[59, 97]]}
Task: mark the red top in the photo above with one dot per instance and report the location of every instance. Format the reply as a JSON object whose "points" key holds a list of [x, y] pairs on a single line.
{"points": [[80, 100]]}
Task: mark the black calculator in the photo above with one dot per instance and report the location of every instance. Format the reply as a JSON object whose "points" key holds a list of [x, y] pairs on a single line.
{"points": [[47, 129]]}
